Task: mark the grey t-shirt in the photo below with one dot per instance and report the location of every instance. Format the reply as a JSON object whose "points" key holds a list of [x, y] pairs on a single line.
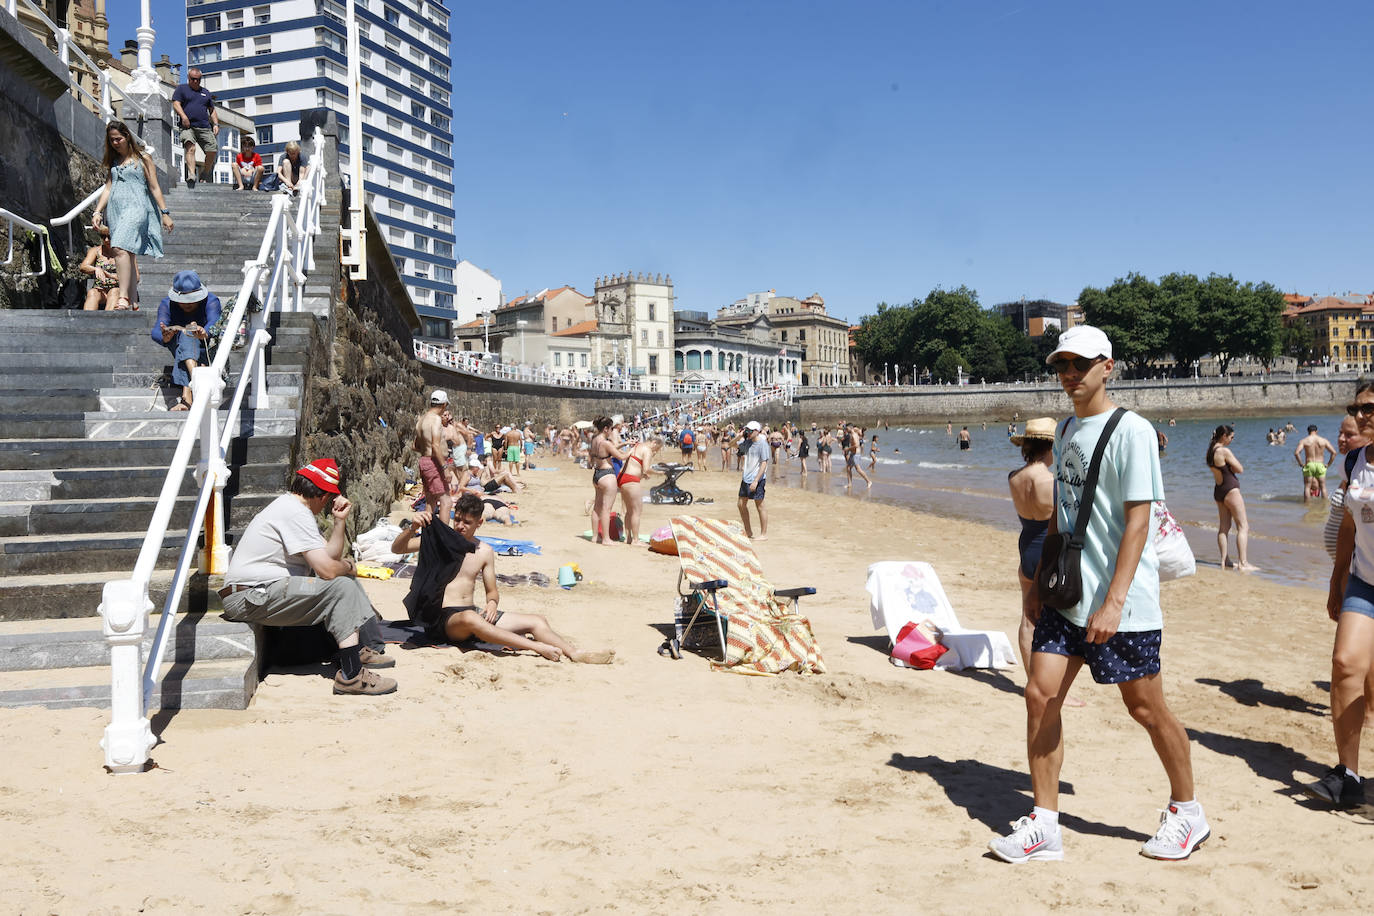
{"points": [[274, 543]]}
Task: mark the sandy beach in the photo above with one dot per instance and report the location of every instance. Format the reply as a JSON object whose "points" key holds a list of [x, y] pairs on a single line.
{"points": [[512, 784]]}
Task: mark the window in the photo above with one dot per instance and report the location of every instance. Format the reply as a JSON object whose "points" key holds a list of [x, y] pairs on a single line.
{"points": [[264, 134], [443, 249], [443, 274], [393, 124], [417, 110], [393, 43], [677, 362], [327, 39], [421, 243], [443, 300], [693, 359], [393, 150], [438, 69], [801, 335], [583, 361], [262, 73], [706, 359], [224, 154], [393, 97], [263, 45], [643, 338], [205, 54], [263, 104], [441, 122], [392, 16], [210, 23], [653, 364], [441, 147], [417, 82], [262, 15], [393, 68], [653, 308], [557, 360], [236, 104], [660, 338]]}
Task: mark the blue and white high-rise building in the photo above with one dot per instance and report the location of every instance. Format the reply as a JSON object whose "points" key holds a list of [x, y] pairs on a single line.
{"points": [[273, 61]]}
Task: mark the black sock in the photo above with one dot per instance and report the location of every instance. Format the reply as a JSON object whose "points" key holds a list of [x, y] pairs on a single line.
{"points": [[350, 662]]}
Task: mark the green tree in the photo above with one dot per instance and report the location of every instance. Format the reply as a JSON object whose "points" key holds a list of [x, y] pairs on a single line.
{"points": [[1296, 340], [1128, 313], [885, 337], [1240, 320], [1178, 303], [947, 365], [1044, 346], [986, 359]]}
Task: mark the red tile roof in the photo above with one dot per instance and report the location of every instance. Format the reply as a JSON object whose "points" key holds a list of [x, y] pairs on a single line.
{"points": [[582, 327]]}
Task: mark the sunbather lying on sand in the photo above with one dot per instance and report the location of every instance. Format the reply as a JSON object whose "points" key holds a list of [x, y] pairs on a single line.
{"points": [[448, 610]]}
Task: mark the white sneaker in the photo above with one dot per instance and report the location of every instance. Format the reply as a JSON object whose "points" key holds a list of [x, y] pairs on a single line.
{"points": [[1029, 839], [1178, 835]]}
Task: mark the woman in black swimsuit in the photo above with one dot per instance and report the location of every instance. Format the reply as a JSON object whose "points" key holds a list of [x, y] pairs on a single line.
{"points": [[1032, 494], [603, 479], [1226, 493]]}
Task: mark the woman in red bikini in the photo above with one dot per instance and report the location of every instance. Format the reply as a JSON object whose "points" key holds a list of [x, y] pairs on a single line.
{"points": [[635, 469]]}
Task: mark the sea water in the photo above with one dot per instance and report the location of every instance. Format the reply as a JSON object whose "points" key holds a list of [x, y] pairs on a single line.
{"points": [[922, 468]]}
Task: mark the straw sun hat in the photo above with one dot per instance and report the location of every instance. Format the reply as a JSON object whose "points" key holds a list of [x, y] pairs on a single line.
{"points": [[1039, 428]]}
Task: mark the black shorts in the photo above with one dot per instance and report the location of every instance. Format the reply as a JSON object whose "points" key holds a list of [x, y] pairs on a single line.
{"points": [[757, 495], [1125, 657]]}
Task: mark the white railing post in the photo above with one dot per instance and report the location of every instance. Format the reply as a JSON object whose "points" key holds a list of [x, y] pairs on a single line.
{"points": [[124, 609]]}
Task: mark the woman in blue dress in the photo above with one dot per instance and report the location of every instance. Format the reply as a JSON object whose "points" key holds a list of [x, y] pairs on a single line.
{"points": [[134, 200]]}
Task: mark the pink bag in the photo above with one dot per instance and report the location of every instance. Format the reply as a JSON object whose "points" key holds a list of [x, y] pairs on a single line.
{"points": [[917, 646]]}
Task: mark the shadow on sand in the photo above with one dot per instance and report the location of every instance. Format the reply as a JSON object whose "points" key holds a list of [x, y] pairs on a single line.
{"points": [[996, 796], [1250, 691]]}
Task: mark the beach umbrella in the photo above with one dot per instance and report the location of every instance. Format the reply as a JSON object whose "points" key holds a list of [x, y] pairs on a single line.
{"points": [[583, 424]]}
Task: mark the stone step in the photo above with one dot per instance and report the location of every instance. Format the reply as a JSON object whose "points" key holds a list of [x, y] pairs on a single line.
{"points": [[283, 397], [83, 552], [126, 513], [79, 642], [137, 424], [103, 483], [53, 596], [23, 341], [22, 454], [213, 684]]}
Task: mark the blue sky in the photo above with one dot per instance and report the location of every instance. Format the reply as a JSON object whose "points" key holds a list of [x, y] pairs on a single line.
{"points": [[871, 151]]}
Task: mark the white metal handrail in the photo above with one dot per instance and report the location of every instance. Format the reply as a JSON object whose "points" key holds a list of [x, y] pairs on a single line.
{"points": [[275, 279], [734, 408], [66, 50], [471, 364], [11, 221]]}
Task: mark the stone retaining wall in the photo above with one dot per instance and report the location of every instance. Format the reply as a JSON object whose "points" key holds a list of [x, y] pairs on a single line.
{"points": [[491, 401]]}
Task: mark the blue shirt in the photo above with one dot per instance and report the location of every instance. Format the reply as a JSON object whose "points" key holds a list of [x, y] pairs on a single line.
{"points": [[1129, 473], [196, 103], [205, 314]]}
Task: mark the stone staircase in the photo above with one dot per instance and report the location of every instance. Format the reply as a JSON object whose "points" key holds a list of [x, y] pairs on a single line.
{"points": [[85, 439]]}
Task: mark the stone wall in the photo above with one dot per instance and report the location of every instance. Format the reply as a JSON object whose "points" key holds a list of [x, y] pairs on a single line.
{"points": [[491, 401], [1175, 398]]}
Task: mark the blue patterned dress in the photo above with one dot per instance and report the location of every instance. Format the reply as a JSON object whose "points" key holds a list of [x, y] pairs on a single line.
{"points": [[133, 218]]}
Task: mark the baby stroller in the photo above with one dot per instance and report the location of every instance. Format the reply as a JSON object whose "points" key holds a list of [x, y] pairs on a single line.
{"points": [[669, 491]]}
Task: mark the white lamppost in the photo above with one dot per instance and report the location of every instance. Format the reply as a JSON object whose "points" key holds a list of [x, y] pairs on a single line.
{"points": [[144, 84], [486, 335], [521, 325]]}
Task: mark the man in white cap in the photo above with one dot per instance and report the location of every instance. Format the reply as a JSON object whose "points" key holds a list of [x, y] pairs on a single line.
{"points": [[432, 445], [284, 573], [1116, 627], [753, 479]]}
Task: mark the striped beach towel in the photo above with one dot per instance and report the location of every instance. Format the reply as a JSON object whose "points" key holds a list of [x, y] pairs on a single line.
{"points": [[762, 636]]}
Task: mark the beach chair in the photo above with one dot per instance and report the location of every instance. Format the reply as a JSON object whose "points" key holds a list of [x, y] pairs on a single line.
{"points": [[759, 629], [902, 592]]}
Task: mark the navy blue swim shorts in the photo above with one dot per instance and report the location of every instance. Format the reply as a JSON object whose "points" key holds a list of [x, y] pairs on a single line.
{"points": [[1125, 657]]}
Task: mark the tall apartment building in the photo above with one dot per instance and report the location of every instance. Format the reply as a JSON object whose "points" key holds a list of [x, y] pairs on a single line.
{"points": [[273, 61]]}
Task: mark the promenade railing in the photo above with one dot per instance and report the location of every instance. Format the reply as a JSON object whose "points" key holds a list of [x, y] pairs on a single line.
{"points": [[735, 408], [274, 280], [473, 364], [13, 223]]}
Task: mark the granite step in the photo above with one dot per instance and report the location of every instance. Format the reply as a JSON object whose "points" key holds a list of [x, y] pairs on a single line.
{"points": [[104, 551], [79, 643], [148, 422], [126, 482], [28, 454], [124, 513], [211, 684], [54, 596]]}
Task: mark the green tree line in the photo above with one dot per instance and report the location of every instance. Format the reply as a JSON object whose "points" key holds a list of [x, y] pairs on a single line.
{"points": [[1179, 319]]}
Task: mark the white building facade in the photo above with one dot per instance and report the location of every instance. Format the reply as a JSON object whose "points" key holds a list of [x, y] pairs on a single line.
{"points": [[639, 307], [274, 61], [476, 291]]}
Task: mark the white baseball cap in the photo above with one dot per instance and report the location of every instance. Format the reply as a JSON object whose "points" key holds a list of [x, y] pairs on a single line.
{"points": [[754, 425], [439, 397], [1082, 340]]}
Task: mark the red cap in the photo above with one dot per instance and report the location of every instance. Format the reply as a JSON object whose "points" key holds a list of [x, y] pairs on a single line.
{"points": [[323, 473]]}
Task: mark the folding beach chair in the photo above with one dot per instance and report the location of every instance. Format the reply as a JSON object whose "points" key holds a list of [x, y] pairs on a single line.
{"points": [[759, 628], [909, 591]]}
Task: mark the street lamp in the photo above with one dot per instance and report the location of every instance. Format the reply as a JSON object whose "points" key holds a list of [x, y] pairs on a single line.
{"points": [[486, 335], [521, 325]]}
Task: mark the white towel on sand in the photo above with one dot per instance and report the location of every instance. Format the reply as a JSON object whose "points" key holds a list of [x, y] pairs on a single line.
{"points": [[902, 592]]}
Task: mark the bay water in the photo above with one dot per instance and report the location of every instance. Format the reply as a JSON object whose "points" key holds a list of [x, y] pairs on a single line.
{"points": [[922, 468]]}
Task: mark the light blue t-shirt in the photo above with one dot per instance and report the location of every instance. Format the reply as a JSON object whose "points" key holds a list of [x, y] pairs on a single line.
{"points": [[1129, 473], [755, 464]]}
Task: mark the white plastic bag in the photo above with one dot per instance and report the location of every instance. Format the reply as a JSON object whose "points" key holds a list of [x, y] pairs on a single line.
{"points": [[1171, 545]]}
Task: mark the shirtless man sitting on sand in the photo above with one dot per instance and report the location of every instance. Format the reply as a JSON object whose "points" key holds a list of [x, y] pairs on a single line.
{"points": [[1314, 455], [463, 620]]}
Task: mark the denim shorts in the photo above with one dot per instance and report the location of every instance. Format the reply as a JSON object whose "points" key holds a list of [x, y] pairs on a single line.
{"points": [[1359, 597], [1122, 658]]}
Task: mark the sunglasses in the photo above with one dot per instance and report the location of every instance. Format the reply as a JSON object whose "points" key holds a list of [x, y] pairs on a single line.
{"points": [[1081, 363], [1365, 410]]}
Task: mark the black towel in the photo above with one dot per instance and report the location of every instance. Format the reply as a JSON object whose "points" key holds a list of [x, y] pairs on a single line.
{"points": [[442, 551]]}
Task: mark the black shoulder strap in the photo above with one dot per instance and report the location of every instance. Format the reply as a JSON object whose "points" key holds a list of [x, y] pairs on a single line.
{"points": [[1351, 457], [1085, 505]]}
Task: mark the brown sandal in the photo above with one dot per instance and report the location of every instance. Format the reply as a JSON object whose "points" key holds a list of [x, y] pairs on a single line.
{"points": [[180, 405]]}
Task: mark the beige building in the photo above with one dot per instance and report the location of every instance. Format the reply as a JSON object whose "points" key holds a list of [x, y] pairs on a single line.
{"points": [[638, 309], [798, 323], [86, 21]]}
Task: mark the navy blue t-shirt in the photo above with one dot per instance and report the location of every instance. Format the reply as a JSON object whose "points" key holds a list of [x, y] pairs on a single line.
{"points": [[196, 103]]}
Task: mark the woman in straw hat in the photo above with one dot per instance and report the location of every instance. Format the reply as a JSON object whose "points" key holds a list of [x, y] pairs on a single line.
{"points": [[1032, 493]]}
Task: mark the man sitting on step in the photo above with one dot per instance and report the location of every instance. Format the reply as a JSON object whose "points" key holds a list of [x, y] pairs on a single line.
{"points": [[269, 579]]}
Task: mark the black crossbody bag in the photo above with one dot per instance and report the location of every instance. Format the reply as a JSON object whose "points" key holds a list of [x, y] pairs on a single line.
{"points": [[1058, 579]]}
